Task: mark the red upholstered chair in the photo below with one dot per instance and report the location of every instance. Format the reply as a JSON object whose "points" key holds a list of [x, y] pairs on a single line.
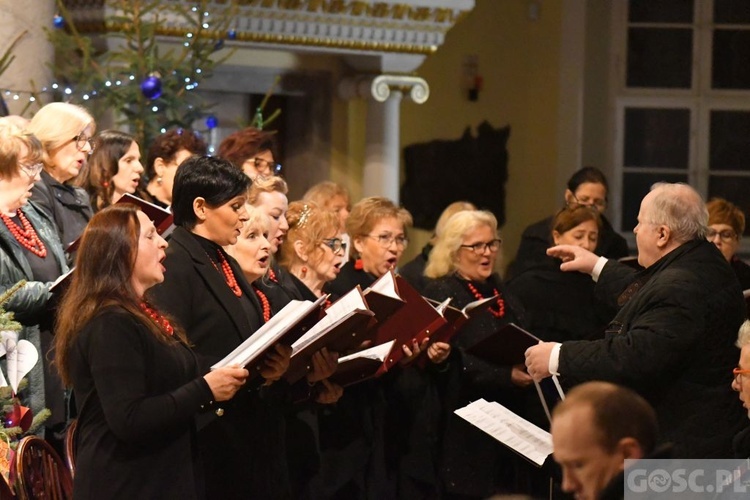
{"points": [[41, 473]]}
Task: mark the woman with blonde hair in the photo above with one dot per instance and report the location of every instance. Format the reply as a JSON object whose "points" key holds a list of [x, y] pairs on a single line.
{"points": [[30, 250], [462, 266], [413, 271], [65, 131]]}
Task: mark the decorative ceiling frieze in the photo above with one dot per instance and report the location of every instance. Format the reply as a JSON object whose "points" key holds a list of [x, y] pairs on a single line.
{"points": [[385, 35]]}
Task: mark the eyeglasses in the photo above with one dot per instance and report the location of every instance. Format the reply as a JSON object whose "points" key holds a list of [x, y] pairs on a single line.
{"points": [[726, 235], [81, 140], [737, 372], [266, 167], [587, 202], [32, 170], [386, 240], [335, 244], [479, 248]]}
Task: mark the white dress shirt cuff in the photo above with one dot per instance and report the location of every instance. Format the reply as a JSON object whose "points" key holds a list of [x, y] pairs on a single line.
{"points": [[598, 268], [554, 359]]}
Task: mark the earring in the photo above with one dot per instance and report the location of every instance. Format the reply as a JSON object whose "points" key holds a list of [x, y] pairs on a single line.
{"points": [[304, 271], [159, 180]]}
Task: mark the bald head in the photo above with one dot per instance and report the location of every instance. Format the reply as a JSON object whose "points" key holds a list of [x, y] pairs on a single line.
{"points": [[608, 403]]}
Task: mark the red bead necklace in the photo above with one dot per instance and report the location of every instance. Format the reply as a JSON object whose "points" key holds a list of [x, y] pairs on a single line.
{"points": [[500, 311], [160, 320], [25, 235], [265, 304], [272, 275], [226, 270]]}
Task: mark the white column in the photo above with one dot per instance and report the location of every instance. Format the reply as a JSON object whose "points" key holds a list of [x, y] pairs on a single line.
{"points": [[382, 128], [382, 147], [33, 53]]}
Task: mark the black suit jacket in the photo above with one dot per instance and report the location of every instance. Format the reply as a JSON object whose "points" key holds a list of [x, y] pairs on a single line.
{"points": [[672, 341], [243, 451], [197, 295]]}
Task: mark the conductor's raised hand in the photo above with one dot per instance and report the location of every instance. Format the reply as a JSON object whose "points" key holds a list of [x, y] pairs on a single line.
{"points": [[276, 363], [574, 258], [225, 382]]}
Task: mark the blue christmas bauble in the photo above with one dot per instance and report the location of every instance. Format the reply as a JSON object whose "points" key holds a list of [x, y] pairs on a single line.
{"points": [[58, 21], [211, 122], [151, 87], [232, 34]]}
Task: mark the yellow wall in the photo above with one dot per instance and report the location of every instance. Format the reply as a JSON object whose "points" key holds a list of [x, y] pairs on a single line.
{"points": [[519, 60]]}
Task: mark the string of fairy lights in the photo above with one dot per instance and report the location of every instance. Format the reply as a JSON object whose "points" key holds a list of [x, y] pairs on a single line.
{"points": [[150, 86]]}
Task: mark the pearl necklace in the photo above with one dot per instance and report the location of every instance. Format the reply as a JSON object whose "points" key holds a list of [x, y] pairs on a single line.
{"points": [[160, 320], [25, 235], [265, 304], [226, 270], [500, 312]]}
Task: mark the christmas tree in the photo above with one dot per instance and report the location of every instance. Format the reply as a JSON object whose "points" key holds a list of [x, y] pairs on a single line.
{"points": [[148, 84]]}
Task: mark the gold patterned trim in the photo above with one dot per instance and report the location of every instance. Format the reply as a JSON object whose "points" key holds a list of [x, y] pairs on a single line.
{"points": [[273, 38]]}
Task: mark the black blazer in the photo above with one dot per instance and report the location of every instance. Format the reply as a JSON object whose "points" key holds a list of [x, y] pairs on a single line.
{"points": [[195, 293], [243, 450]]}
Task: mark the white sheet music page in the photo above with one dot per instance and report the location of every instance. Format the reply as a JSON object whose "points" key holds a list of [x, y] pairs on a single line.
{"points": [[385, 285], [268, 334], [513, 431], [377, 353], [349, 302]]}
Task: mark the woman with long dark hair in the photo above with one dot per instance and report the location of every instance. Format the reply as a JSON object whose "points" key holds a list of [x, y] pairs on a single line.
{"points": [[113, 169], [137, 382]]}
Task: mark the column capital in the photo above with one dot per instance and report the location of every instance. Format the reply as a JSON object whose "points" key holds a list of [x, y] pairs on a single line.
{"points": [[380, 87]]}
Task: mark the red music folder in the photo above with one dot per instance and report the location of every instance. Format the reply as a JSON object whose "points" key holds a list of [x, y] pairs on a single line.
{"points": [[456, 318], [362, 365], [161, 217], [507, 346], [343, 327], [417, 319]]}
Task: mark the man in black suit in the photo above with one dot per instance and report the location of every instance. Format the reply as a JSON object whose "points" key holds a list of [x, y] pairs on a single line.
{"points": [[672, 339]]}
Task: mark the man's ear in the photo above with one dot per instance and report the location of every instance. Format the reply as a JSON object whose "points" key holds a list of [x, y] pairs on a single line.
{"points": [[629, 447], [199, 207], [664, 234]]}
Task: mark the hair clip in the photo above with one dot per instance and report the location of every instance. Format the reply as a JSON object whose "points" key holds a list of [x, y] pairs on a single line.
{"points": [[303, 216]]}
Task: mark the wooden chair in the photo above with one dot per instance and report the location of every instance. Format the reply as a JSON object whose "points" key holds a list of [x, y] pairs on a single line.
{"points": [[70, 453], [41, 473]]}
